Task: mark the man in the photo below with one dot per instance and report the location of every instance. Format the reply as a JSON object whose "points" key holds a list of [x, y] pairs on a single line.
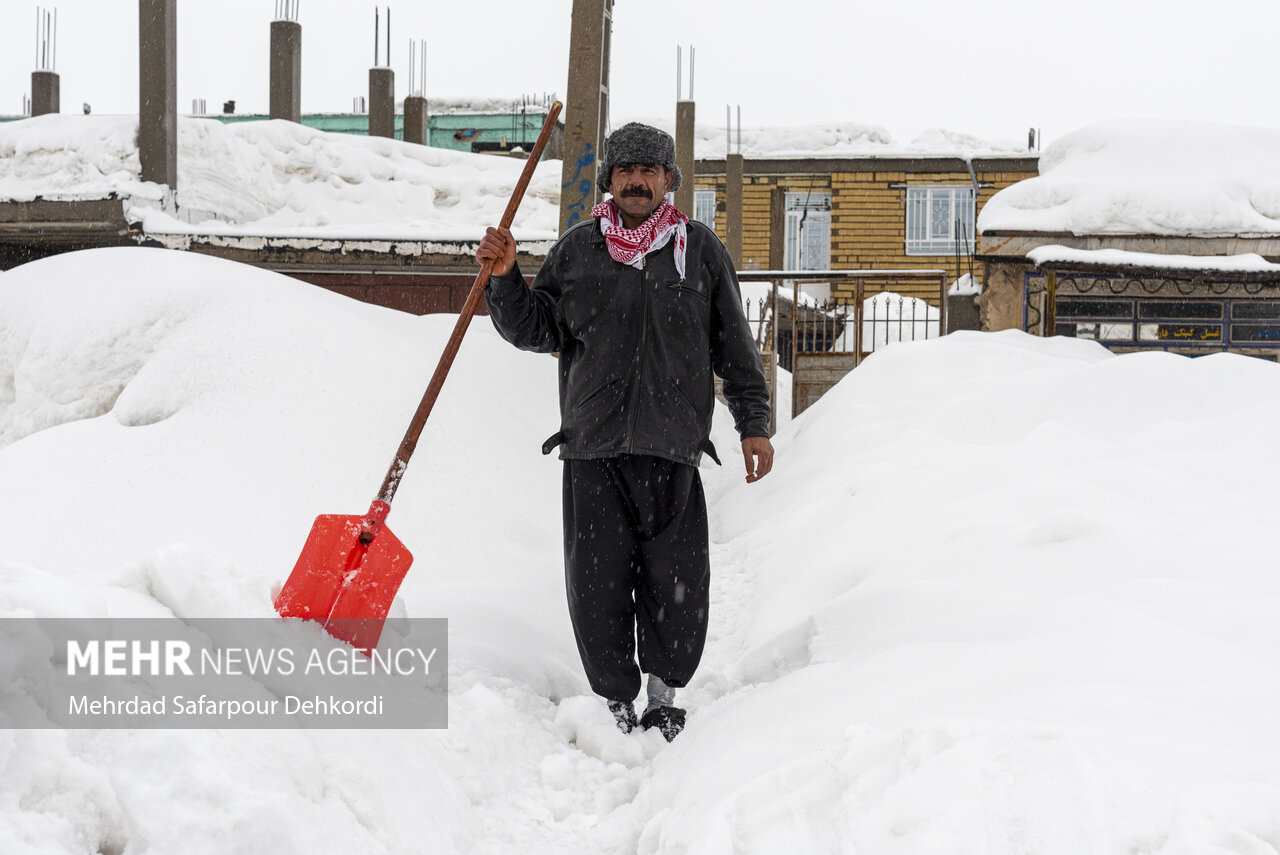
{"points": [[641, 305]]}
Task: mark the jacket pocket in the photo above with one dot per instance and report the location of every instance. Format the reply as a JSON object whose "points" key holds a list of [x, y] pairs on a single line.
{"points": [[680, 392], [684, 286], [582, 402]]}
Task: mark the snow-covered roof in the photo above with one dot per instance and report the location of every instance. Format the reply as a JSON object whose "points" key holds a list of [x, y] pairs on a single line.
{"points": [[839, 139], [480, 105], [277, 178], [283, 180], [1149, 177], [1249, 262]]}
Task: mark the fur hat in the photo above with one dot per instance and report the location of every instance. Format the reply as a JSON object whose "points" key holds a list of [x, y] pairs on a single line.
{"points": [[637, 143]]}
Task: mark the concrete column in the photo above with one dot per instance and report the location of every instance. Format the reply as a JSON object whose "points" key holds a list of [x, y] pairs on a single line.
{"points": [[777, 228], [684, 155], [45, 93], [286, 70], [586, 110], [382, 103], [415, 120], [158, 90], [733, 191]]}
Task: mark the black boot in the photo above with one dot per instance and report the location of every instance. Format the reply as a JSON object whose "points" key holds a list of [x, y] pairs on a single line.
{"points": [[624, 714], [669, 720]]}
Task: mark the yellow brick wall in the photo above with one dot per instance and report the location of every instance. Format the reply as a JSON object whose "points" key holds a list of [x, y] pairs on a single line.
{"points": [[868, 219]]}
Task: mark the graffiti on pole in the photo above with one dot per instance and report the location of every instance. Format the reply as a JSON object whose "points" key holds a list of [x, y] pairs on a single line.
{"points": [[578, 204]]}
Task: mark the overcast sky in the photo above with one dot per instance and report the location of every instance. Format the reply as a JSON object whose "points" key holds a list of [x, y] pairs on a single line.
{"points": [[991, 68]]}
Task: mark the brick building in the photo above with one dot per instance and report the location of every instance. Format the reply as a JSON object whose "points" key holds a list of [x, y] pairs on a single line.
{"points": [[902, 212]]}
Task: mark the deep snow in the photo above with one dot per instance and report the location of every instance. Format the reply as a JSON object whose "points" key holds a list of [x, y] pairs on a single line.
{"points": [[999, 595], [1148, 177], [279, 179]]}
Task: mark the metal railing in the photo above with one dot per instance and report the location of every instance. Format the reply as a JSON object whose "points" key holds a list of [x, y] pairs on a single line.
{"points": [[860, 310], [821, 340]]}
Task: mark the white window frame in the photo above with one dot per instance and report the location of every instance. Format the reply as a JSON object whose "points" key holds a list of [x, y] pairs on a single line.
{"points": [[704, 208], [808, 247], [931, 219]]}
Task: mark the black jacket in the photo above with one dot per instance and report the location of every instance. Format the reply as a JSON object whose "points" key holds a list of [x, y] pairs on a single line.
{"points": [[637, 346]]}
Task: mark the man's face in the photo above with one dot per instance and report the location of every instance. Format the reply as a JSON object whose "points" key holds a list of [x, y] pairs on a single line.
{"points": [[638, 189]]}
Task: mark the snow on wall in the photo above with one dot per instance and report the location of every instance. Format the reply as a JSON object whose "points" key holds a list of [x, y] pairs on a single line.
{"points": [[1149, 177]]}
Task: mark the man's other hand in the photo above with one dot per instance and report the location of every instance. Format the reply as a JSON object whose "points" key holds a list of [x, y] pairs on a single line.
{"points": [[499, 247], [757, 451]]}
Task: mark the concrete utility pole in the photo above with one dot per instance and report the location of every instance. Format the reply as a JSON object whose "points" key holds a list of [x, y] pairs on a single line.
{"points": [[684, 137], [158, 91], [684, 156], [586, 108], [286, 70]]}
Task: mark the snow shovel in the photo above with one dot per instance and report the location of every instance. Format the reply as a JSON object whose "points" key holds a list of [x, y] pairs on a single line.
{"points": [[351, 566]]}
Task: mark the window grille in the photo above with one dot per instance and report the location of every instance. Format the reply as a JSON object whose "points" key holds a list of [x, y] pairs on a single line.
{"points": [[808, 231], [704, 207], [932, 213]]}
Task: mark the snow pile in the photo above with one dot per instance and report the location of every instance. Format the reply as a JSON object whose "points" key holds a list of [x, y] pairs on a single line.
{"points": [[1148, 177], [940, 141], [841, 139], [986, 602], [488, 105], [966, 286], [1247, 262], [276, 178], [284, 180], [888, 318], [67, 158]]}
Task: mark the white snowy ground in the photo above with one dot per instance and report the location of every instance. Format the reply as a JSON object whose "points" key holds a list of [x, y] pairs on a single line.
{"points": [[1000, 594]]}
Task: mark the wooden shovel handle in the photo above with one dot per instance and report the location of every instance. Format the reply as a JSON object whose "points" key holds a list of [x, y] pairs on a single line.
{"points": [[392, 482]]}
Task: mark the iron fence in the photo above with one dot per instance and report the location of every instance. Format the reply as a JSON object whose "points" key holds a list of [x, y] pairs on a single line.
{"points": [[820, 339]]}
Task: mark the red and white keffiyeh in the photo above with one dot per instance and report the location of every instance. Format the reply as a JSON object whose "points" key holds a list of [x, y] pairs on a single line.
{"points": [[630, 246]]}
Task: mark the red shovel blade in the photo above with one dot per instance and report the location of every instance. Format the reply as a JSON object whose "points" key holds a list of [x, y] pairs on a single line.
{"points": [[346, 585]]}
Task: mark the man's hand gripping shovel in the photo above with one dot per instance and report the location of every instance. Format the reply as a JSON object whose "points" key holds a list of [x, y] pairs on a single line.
{"points": [[351, 566]]}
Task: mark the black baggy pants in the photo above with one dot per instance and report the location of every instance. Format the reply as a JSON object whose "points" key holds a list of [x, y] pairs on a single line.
{"points": [[637, 570]]}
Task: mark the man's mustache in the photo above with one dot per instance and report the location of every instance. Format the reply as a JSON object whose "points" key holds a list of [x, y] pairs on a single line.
{"points": [[637, 191]]}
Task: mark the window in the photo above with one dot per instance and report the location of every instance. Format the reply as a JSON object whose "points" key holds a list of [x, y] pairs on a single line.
{"points": [[704, 208], [808, 231], [932, 215]]}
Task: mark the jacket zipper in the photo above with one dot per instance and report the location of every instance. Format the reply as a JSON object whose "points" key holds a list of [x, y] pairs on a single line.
{"points": [[644, 326]]}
